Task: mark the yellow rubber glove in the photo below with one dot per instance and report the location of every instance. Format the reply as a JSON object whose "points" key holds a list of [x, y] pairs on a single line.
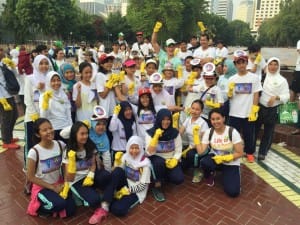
{"points": [[122, 192], [65, 190], [122, 76], [212, 104], [171, 163], [5, 104], [222, 158], [196, 136], [114, 78], [185, 151], [254, 113], [179, 72], [142, 67], [117, 109], [118, 159], [231, 87], [257, 59], [71, 167], [131, 87], [156, 136], [89, 179], [175, 118], [191, 79], [46, 97], [109, 84], [201, 26], [34, 117], [157, 27]]}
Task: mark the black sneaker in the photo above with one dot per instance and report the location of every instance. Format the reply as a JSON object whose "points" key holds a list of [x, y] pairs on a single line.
{"points": [[158, 195], [261, 157]]}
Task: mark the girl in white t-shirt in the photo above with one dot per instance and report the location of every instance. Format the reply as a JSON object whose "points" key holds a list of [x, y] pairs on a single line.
{"points": [[43, 170], [84, 93]]}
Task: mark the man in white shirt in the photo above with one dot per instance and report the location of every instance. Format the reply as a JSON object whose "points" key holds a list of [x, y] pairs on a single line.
{"points": [[144, 49], [221, 50], [204, 52]]}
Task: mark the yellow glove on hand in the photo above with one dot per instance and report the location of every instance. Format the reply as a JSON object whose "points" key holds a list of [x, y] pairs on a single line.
{"points": [[117, 109], [46, 97], [212, 104], [196, 136], [72, 162], [179, 72], [257, 59], [201, 26], [114, 78], [254, 113], [175, 118], [5, 104], [131, 88], [122, 192], [34, 117], [109, 84], [171, 163], [122, 76], [157, 27], [89, 179], [142, 67], [185, 151], [118, 158], [65, 190], [222, 158], [231, 87], [156, 136]]}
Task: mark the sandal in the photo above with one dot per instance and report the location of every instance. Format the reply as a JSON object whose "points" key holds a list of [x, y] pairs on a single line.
{"points": [[158, 195]]}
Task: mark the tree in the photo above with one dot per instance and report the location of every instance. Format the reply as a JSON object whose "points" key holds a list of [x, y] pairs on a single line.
{"points": [[241, 34]]}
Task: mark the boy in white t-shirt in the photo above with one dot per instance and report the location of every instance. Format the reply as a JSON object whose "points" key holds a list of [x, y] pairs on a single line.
{"points": [[256, 62], [243, 92]]}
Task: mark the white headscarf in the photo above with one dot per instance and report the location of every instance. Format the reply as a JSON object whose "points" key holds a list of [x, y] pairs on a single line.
{"points": [[140, 160], [58, 95], [38, 76], [273, 80]]}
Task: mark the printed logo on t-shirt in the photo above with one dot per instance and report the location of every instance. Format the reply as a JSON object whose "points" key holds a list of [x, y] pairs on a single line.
{"points": [[36, 96], [169, 89], [243, 88], [146, 118], [50, 164], [165, 146], [83, 164], [132, 174]]}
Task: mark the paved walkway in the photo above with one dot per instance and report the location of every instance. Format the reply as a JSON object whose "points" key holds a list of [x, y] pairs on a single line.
{"points": [[270, 195]]}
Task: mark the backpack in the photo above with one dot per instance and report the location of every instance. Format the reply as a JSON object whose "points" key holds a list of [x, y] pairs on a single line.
{"points": [[12, 85], [212, 131]]}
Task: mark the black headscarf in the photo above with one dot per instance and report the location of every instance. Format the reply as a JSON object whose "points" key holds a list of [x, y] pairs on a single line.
{"points": [[127, 123], [169, 133]]}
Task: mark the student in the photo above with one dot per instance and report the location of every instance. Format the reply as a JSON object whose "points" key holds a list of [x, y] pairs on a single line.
{"points": [[275, 92], [67, 72], [88, 57], [189, 155], [122, 126], [226, 149], [243, 92], [99, 137], [256, 62], [43, 170], [164, 148], [82, 176], [131, 178], [84, 93], [150, 68]]}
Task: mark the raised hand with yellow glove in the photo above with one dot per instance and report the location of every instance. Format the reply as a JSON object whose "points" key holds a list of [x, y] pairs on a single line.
{"points": [[196, 136], [179, 72], [118, 159], [222, 158], [89, 179], [171, 163], [142, 67], [175, 118], [210, 103], [154, 140], [201, 26], [71, 169], [5, 104], [46, 97], [257, 59], [34, 117], [157, 27], [254, 113], [122, 192], [231, 87], [131, 87], [117, 109]]}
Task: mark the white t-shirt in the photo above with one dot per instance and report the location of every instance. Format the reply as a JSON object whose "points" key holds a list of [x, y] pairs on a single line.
{"points": [[143, 50], [221, 144], [298, 58], [162, 100], [192, 96], [222, 53], [261, 66], [48, 168], [172, 84], [144, 122], [207, 53], [183, 55], [242, 99], [188, 125], [134, 97]]}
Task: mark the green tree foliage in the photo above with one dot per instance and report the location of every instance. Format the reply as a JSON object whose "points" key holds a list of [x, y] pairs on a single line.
{"points": [[240, 32]]}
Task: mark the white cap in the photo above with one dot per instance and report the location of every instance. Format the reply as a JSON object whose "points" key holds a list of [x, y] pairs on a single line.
{"points": [[170, 41], [156, 78], [209, 69], [99, 113], [151, 61]]}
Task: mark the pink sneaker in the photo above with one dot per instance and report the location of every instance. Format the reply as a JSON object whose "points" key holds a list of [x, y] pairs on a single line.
{"points": [[99, 215]]}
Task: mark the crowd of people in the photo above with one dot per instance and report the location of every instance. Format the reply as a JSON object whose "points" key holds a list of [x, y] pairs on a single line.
{"points": [[133, 119]]}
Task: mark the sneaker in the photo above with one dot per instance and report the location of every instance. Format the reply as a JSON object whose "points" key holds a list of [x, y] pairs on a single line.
{"points": [[158, 194], [250, 158], [210, 181], [261, 157], [13, 140], [197, 177], [11, 146], [99, 215]]}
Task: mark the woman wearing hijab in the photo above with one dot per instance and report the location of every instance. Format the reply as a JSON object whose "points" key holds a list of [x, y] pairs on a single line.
{"points": [[55, 105], [164, 148], [275, 92]]}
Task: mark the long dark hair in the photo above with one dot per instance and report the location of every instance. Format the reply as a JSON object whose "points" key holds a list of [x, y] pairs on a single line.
{"points": [[73, 145], [150, 107], [127, 123], [36, 128]]}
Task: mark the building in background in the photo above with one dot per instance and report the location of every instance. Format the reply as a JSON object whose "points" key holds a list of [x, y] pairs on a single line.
{"points": [[264, 9], [1, 5], [222, 8], [245, 12]]}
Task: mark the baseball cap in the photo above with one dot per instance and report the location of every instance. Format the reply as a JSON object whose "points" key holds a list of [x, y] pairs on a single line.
{"points": [[156, 78], [144, 91], [129, 63], [120, 34], [240, 55], [170, 41], [208, 69], [58, 44], [151, 61], [139, 33], [104, 58], [195, 62]]}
